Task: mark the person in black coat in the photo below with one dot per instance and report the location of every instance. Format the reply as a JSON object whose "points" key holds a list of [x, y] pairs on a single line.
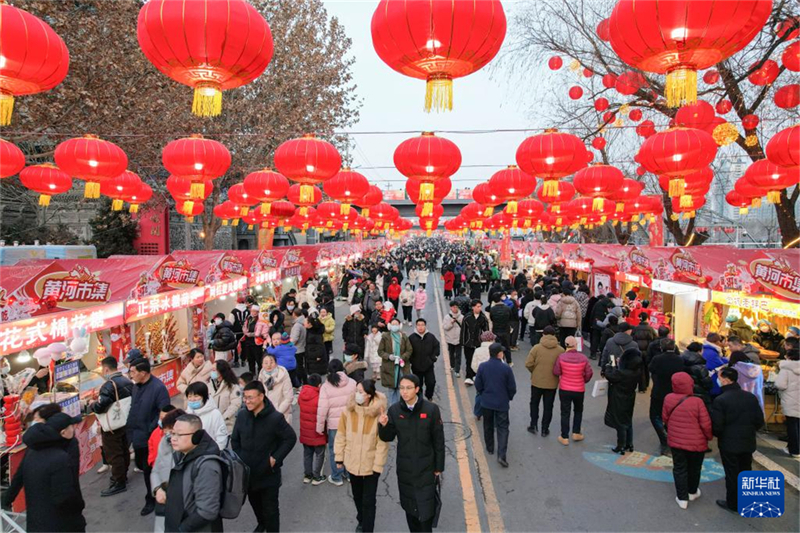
{"points": [[608, 333], [224, 339], [417, 425], [316, 354], [644, 335], [662, 367], [695, 365], [354, 329], [735, 417], [49, 476], [500, 314], [115, 443], [599, 311], [262, 439], [425, 351], [474, 324], [622, 382]]}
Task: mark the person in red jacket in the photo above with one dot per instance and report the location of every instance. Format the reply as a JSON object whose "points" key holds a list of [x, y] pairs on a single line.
{"points": [[575, 371], [314, 443], [449, 279], [393, 293], [689, 430]]}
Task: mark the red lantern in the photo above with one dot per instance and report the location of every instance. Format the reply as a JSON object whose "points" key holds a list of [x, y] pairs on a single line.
{"points": [[226, 211], [373, 197], [441, 188], [488, 198], [791, 57], [646, 129], [676, 153], [555, 63], [512, 184], [302, 199], [91, 159], [598, 182], [603, 31], [565, 193], [575, 92], [609, 117], [609, 81], [347, 186], [585, 207], [694, 184], [641, 171], [635, 115], [588, 73], [723, 107], [282, 209], [307, 161], [601, 104], [121, 189], [212, 47], [699, 115], [783, 149], [438, 41], [383, 214], [45, 179], [141, 196], [737, 200], [266, 186], [629, 82], [198, 159], [427, 158], [788, 96], [330, 212], [12, 160], [551, 156], [750, 122], [628, 190], [238, 195], [711, 77], [766, 74], [748, 190], [788, 29], [680, 37], [181, 188], [688, 210], [436, 212], [34, 58], [184, 208], [302, 218], [598, 143], [771, 177]]}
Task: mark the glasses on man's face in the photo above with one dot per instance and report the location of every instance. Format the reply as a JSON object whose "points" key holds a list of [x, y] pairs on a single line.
{"points": [[182, 434]]}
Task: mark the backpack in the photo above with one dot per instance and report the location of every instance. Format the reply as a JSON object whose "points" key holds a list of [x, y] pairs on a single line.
{"points": [[224, 339], [238, 320], [235, 481]]}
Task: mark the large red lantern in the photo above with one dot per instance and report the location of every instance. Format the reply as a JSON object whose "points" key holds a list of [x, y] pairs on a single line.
{"points": [[427, 159], [227, 212], [529, 210], [198, 159], [209, 45], [441, 188], [238, 195], [302, 199], [629, 190], [766, 74], [747, 189], [141, 196], [629, 82], [565, 193], [328, 213], [92, 160], [282, 209], [47, 180], [347, 186], [184, 208], [771, 177], [680, 37], [307, 161], [677, 152], [737, 200], [791, 57], [266, 186], [688, 211], [181, 188], [788, 96], [694, 184], [512, 184], [699, 115], [12, 160], [33, 58], [783, 149], [584, 207], [373, 197], [438, 41], [489, 199], [551, 156], [121, 189], [598, 182]]}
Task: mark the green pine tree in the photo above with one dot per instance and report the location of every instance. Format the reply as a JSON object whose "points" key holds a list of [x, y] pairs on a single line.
{"points": [[113, 232]]}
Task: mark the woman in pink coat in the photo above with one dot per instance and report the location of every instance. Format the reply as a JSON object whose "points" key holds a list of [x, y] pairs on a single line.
{"points": [[420, 299], [333, 397]]}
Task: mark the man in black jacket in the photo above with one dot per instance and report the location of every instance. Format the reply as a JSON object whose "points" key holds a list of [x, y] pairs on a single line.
{"points": [[599, 312], [735, 417], [375, 319], [263, 439], [644, 335], [425, 352], [355, 329], [475, 323], [500, 314], [115, 443], [662, 367], [417, 425]]}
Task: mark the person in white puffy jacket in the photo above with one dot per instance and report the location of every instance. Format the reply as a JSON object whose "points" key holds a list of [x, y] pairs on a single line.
{"points": [[199, 403], [278, 384], [788, 382], [481, 354], [226, 392]]}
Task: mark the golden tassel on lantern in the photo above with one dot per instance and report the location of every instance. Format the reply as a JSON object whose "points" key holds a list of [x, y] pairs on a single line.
{"points": [[365, 212], [6, 108], [634, 227], [743, 210], [511, 207], [725, 134], [117, 204], [676, 187], [550, 188], [427, 209], [250, 226], [597, 204], [751, 140], [190, 220], [134, 208], [91, 190], [344, 209], [603, 219], [583, 220], [635, 218], [489, 211], [620, 207], [207, 100], [624, 109], [306, 194], [329, 224], [681, 87], [197, 190], [303, 211], [44, 200], [555, 208], [345, 226], [266, 208], [674, 216], [243, 210], [188, 205], [756, 203], [686, 200], [559, 221], [235, 222], [224, 221], [439, 94], [774, 197], [614, 222], [426, 191]]}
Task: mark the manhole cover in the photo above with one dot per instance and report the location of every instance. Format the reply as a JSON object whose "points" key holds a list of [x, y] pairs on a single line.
{"points": [[456, 432]]}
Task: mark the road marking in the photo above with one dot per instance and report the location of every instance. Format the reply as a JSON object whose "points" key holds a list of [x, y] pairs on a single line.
{"points": [[471, 514], [769, 464], [495, 518]]}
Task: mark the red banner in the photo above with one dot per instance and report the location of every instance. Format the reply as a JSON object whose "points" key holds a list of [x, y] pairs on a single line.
{"points": [[169, 373]]}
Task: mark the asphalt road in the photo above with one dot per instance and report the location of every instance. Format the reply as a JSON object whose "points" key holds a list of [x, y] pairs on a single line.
{"points": [[548, 487]]}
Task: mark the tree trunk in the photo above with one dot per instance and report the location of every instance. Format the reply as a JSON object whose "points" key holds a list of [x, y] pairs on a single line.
{"points": [[790, 233]]}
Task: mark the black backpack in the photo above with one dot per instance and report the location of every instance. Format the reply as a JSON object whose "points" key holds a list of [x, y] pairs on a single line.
{"points": [[238, 320], [224, 340], [235, 481]]}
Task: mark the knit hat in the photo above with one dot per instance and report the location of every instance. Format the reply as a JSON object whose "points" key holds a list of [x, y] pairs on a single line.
{"points": [[794, 330], [285, 338], [355, 309], [61, 421], [488, 336], [571, 342]]}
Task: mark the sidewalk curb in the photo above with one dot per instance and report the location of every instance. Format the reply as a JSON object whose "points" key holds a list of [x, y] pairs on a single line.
{"points": [[769, 464]]}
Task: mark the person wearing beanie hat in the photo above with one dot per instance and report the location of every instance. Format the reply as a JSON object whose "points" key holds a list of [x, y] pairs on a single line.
{"points": [[497, 387], [623, 378], [739, 328]]}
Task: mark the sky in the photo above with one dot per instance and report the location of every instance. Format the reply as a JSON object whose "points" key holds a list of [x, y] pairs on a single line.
{"points": [[394, 102]]}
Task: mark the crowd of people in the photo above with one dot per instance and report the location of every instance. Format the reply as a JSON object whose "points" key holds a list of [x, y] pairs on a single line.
{"points": [[349, 406]]}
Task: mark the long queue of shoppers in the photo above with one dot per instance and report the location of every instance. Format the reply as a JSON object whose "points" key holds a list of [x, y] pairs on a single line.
{"points": [[350, 408]]}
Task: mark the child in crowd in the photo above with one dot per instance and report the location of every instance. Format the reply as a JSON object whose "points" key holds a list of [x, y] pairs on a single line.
{"points": [[371, 353], [313, 442]]}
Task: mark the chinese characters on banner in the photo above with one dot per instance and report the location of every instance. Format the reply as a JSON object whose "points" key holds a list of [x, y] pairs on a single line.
{"points": [[168, 374], [777, 276], [35, 332], [264, 276], [163, 303], [223, 288]]}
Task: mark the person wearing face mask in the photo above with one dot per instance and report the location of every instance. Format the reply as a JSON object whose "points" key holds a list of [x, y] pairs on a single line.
{"points": [[251, 352], [199, 402], [354, 364], [162, 461], [420, 299], [226, 392], [768, 337], [360, 451], [289, 315], [332, 400], [452, 336], [49, 478], [198, 370], [278, 386], [395, 351], [224, 340], [115, 443]]}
